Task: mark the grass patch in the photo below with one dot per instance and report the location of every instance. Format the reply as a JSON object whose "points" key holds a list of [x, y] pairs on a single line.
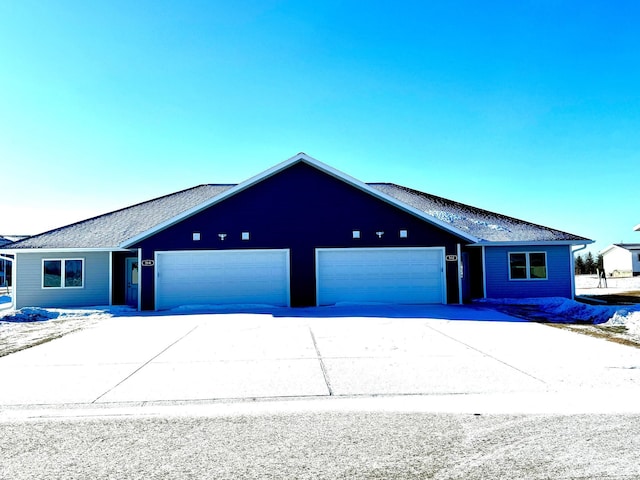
{"points": [[626, 298], [614, 333]]}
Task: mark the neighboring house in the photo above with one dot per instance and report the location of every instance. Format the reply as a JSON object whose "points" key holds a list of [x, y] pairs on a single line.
{"points": [[299, 234], [7, 260], [621, 259]]}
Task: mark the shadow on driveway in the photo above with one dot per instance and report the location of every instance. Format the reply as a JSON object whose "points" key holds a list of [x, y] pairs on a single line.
{"points": [[436, 312]]}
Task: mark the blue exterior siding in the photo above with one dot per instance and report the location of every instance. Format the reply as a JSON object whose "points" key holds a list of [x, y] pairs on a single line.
{"points": [[557, 284], [301, 209]]}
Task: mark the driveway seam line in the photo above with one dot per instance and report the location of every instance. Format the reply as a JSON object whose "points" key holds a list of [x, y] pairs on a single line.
{"points": [[144, 364], [487, 355], [323, 367]]}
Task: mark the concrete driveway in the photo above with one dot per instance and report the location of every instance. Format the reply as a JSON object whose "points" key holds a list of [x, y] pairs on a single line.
{"points": [[436, 358]]}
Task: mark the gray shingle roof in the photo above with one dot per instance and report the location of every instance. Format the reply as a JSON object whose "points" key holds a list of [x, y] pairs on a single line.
{"points": [[482, 224], [112, 229]]}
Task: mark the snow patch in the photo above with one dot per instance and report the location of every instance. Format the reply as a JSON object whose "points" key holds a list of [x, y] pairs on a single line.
{"points": [[629, 319], [30, 315], [36, 314], [573, 310], [491, 226], [588, 285]]}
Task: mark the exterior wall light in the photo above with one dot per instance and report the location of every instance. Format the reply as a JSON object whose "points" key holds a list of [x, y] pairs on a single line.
{"points": [[222, 236], [379, 234]]}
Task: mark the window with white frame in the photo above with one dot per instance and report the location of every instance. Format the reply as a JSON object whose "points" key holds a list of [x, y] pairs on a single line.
{"points": [[527, 266], [63, 273]]}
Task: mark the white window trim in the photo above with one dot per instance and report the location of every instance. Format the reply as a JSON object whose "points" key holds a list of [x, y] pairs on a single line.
{"points": [[527, 267], [62, 273]]}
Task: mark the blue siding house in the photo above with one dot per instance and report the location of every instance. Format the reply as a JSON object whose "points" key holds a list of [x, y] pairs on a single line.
{"points": [[299, 234]]}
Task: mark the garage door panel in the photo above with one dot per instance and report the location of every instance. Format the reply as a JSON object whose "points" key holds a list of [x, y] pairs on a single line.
{"points": [[386, 275], [222, 277]]}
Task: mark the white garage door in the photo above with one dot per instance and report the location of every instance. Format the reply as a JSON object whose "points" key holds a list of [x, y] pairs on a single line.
{"points": [[385, 275], [222, 277]]}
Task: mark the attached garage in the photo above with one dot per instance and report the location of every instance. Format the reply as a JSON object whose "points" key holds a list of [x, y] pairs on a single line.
{"points": [[384, 275], [208, 277]]}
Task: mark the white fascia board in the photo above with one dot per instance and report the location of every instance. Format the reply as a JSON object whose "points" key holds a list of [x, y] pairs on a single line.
{"points": [[301, 157], [217, 199], [533, 243], [637, 228], [64, 250]]}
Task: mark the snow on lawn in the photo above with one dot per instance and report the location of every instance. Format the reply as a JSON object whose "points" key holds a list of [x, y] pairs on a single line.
{"points": [[564, 310], [588, 285], [27, 327], [571, 310]]}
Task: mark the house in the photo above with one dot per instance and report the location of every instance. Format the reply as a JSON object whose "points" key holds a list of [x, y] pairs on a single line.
{"points": [[621, 259], [298, 234], [7, 260]]}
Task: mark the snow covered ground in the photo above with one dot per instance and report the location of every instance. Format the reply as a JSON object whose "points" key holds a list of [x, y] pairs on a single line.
{"points": [[627, 317], [588, 285]]}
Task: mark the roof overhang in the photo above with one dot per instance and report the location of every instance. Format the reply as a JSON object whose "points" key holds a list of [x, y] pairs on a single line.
{"points": [[16, 251], [637, 228], [299, 158], [532, 243], [623, 246]]}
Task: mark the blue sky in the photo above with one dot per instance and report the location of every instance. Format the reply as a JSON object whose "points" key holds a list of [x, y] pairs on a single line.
{"points": [[527, 108]]}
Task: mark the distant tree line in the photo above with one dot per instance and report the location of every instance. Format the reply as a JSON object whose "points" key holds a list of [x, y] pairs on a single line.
{"points": [[586, 264]]}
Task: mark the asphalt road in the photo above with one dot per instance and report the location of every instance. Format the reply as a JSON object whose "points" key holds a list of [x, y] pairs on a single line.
{"points": [[324, 445]]}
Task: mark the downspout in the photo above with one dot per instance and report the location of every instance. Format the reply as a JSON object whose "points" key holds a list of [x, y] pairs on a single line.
{"points": [[573, 270], [460, 275]]}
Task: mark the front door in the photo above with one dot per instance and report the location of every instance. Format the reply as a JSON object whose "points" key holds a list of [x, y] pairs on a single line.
{"points": [[131, 293]]}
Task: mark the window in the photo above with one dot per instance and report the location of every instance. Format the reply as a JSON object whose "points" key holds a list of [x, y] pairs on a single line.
{"points": [[196, 236], [64, 273], [245, 236], [528, 266], [356, 234], [404, 234]]}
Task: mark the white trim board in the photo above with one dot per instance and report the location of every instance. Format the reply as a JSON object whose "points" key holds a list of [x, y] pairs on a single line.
{"points": [[304, 158]]}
